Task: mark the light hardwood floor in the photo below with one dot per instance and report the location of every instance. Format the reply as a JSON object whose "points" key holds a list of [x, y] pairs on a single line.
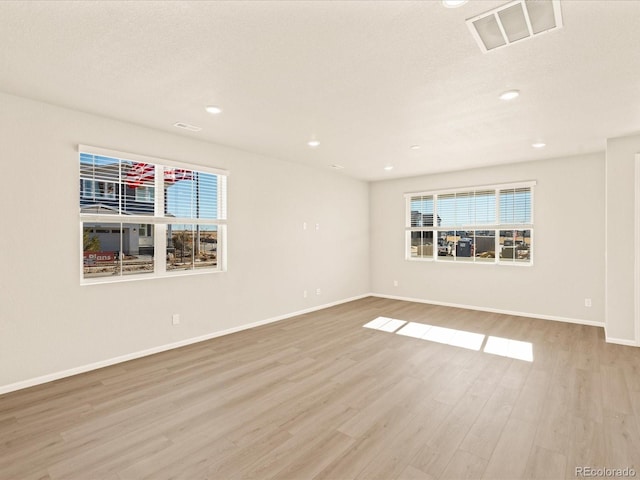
{"points": [[320, 397]]}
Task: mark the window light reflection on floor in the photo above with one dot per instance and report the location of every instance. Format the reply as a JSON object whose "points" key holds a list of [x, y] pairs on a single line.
{"points": [[439, 334], [504, 347], [509, 348], [470, 340], [413, 329], [385, 324]]}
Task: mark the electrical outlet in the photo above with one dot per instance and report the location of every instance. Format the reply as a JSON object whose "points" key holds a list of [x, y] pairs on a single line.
{"points": [[317, 226], [318, 291], [304, 225], [587, 302], [304, 294], [175, 319], [395, 283]]}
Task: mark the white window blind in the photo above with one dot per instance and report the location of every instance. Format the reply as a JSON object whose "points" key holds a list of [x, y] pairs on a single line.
{"points": [[422, 211], [515, 206], [467, 208], [193, 194]]}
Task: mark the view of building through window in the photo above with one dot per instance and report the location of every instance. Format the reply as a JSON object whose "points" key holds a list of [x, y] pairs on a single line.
{"points": [[130, 210], [483, 225]]}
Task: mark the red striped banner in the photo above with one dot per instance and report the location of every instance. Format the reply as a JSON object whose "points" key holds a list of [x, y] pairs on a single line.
{"points": [[144, 173]]}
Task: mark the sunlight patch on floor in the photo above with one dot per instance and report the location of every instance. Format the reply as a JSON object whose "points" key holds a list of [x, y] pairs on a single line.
{"points": [[385, 324], [504, 347], [413, 329], [509, 348]]}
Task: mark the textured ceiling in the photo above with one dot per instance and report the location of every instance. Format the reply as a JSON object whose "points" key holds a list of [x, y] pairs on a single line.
{"points": [[367, 79]]}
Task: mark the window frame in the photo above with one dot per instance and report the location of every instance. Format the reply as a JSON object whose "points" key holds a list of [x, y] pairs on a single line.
{"points": [[149, 194], [158, 220], [91, 189], [495, 227]]}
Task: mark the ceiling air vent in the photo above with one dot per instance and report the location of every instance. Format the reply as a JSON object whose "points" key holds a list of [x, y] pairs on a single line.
{"points": [[186, 126], [514, 21]]}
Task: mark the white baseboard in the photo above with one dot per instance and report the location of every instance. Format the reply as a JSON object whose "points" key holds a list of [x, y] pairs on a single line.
{"points": [[161, 348], [619, 341], [493, 310]]}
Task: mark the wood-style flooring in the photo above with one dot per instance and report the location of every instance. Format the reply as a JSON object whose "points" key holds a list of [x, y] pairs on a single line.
{"points": [[320, 397]]}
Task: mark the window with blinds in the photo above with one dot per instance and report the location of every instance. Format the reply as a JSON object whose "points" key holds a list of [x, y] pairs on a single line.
{"points": [[489, 224], [133, 207]]}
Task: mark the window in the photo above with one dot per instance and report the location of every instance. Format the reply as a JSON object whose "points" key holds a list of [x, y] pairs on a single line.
{"points": [[146, 230], [491, 224], [145, 194], [94, 189], [132, 207]]}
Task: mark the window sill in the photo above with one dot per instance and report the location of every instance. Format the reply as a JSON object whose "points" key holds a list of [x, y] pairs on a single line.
{"points": [[137, 278], [462, 262]]}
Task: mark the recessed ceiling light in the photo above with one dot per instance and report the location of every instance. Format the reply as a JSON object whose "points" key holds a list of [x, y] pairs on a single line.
{"points": [[415, 147], [509, 95], [313, 143], [388, 167], [539, 145], [453, 3], [213, 109]]}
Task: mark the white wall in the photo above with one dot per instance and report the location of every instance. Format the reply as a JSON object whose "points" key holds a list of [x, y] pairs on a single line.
{"points": [[621, 154], [50, 324], [568, 244]]}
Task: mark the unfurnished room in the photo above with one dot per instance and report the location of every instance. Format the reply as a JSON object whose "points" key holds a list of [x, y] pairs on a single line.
{"points": [[320, 240]]}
